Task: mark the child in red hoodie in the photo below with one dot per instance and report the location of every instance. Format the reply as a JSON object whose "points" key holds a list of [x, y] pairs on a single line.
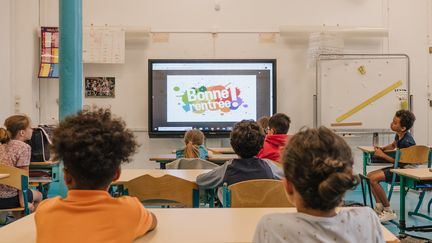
{"points": [[276, 138]]}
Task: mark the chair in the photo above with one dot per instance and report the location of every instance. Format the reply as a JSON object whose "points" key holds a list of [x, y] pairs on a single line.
{"points": [[166, 190], [363, 182], [256, 194], [191, 164], [18, 178], [416, 154]]}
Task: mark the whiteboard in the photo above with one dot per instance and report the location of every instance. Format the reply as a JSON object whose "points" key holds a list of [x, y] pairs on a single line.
{"points": [[361, 91]]}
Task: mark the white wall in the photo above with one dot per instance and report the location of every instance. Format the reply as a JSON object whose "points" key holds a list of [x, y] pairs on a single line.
{"points": [[296, 83], [5, 65], [19, 58]]}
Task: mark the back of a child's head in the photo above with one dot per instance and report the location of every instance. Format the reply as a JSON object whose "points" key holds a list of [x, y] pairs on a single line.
{"points": [[406, 118], [193, 138], [92, 145], [263, 122], [246, 138], [13, 125], [280, 123], [319, 165]]}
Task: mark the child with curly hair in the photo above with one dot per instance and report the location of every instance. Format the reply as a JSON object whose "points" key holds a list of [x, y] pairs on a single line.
{"points": [[92, 145]]}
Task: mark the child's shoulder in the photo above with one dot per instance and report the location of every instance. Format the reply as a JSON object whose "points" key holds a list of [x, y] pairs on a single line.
{"points": [[48, 204], [359, 213]]}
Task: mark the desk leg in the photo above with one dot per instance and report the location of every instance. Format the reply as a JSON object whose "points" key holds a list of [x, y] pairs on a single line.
{"points": [[365, 162], [211, 197], [402, 225], [162, 164]]}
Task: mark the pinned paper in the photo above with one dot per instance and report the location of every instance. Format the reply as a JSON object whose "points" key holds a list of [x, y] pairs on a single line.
{"points": [[362, 70]]}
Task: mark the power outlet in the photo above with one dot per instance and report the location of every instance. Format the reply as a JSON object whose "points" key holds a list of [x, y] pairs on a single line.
{"points": [[17, 104]]}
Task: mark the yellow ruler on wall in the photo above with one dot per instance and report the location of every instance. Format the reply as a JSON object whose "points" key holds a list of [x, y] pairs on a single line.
{"points": [[369, 101]]}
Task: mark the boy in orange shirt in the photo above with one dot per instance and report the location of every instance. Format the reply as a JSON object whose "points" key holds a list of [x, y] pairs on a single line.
{"points": [[92, 146]]}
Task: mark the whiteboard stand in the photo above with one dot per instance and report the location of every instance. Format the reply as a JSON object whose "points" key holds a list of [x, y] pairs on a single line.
{"points": [[360, 93]]}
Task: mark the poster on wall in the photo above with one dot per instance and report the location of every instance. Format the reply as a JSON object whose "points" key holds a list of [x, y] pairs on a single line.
{"points": [[49, 64], [99, 87], [103, 45]]}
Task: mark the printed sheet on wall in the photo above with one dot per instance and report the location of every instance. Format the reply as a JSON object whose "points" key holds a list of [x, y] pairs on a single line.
{"points": [[49, 64]]}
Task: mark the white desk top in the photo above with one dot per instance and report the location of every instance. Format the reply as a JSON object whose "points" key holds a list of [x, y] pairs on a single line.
{"points": [[129, 174], [419, 174], [182, 225], [370, 149]]}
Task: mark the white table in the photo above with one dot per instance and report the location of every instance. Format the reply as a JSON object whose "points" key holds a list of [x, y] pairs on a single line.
{"points": [[181, 225]]}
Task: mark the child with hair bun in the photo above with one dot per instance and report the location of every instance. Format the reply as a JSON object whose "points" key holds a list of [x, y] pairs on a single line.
{"points": [[15, 152], [194, 146], [318, 171]]}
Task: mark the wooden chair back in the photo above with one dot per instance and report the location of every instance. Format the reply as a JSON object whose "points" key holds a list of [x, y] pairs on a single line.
{"points": [[258, 194], [417, 154], [195, 163], [165, 190], [18, 178]]}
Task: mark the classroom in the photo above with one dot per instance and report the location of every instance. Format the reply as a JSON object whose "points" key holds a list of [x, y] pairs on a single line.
{"points": [[319, 62]]}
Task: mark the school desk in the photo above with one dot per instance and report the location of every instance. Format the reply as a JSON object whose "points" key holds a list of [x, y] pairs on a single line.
{"points": [[412, 179], [215, 158], [4, 176], [42, 184], [224, 150], [368, 152], [202, 225]]}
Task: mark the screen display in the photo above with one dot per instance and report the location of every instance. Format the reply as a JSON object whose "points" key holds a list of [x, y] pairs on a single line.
{"points": [[210, 95]]}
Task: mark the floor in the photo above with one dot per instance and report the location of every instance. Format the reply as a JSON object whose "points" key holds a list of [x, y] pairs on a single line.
{"points": [[411, 202]]}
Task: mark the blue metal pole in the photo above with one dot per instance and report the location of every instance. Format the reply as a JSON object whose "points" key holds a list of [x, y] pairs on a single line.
{"points": [[71, 66]]}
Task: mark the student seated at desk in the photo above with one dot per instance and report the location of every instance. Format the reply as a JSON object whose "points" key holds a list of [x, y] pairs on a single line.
{"points": [[194, 146], [318, 171], [92, 146], [246, 139], [402, 122], [15, 152], [276, 137]]}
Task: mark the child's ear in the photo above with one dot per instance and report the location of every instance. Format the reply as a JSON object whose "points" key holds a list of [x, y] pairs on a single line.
{"points": [[117, 174], [289, 188], [270, 131], [67, 177]]}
